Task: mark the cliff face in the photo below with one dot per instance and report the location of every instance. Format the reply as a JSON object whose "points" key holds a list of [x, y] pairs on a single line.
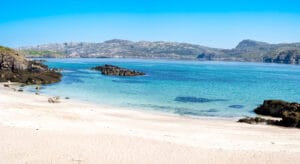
{"points": [[11, 60], [246, 50], [14, 67], [286, 57]]}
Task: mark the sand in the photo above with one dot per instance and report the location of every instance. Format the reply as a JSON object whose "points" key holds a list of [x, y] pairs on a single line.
{"points": [[35, 131]]}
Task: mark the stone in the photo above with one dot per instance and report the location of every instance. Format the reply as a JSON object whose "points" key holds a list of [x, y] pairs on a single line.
{"points": [[117, 71], [291, 119], [55, 99], [288, 112], [272, 108], [276, 108], [256, 120]]}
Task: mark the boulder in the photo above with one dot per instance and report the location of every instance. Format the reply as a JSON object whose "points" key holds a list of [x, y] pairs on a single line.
{"points": [[291, 119], [53, 100], [272, 108], [117, 71], [288, 112]]}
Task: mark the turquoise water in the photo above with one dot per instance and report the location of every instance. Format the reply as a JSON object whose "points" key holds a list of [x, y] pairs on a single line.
{"points": [[222, 89]]}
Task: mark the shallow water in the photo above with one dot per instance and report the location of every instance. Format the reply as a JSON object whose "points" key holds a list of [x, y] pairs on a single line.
{"points": [[223, 89]]}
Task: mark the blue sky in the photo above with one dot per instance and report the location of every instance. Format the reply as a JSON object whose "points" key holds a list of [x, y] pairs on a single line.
{"points": [[215, 23]]}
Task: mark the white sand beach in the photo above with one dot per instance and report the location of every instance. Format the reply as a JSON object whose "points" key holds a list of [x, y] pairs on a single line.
{"points": [[35, 131]]}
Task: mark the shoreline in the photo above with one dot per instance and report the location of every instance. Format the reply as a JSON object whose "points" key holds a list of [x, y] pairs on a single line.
{"points": [[114, 135], [143, 110], [187, 61]]}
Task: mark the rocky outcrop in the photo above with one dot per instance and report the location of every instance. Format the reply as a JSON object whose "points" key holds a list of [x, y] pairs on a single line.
{"points": [[10, 60], [15, 68], [288, 112], [117, 71], [276, 108], [285, 57]]}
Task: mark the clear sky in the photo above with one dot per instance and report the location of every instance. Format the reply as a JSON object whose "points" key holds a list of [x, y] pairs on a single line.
{"points": [[215, 23]]}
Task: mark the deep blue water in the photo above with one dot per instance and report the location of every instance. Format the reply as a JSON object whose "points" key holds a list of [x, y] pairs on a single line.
{"points": [[223, 89]]}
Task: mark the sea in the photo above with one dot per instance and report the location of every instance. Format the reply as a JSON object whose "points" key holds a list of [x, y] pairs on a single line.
{"points": [[185, 88]]}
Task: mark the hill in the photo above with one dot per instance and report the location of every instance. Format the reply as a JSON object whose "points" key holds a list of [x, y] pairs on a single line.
{"points": [[246, 50]]}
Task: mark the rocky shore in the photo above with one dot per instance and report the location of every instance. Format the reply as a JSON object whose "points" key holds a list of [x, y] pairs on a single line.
{"points": [[117, 71], [15, 67], [289, 113]]}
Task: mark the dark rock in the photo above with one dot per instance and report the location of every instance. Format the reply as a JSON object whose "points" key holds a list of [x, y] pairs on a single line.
{"points": [[117, 71], [291, 119], [236, 106], [288, 112], [28, 77], [275, 108], [196, 99], [256, 120], [15, 68]]}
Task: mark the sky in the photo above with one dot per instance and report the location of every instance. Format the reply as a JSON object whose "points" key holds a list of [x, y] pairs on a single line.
{"points": [[213, 23]]}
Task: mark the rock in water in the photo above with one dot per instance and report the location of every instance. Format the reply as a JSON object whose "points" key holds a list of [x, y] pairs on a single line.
{"points": [[275, 108], [117, 71], [288, 112], [14, 67]]}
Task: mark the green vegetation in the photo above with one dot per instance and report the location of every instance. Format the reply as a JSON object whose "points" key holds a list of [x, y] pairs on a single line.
{"points": [[42, 53], [6, 50], [11, 52]]}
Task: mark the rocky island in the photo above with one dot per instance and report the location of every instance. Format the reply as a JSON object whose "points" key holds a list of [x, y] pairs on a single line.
{"points": [[117, 71], [15, 67]]}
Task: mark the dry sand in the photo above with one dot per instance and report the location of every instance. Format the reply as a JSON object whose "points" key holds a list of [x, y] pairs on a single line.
{"points": [[35, 131]]}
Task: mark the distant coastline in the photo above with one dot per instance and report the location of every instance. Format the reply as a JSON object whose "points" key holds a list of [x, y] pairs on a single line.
{"points": [[245, 51]]}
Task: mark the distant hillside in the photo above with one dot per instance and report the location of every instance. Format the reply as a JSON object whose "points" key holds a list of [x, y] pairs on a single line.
{"points": [[247, 50]]}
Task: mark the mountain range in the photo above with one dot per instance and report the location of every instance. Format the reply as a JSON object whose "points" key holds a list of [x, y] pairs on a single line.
{"points": [[246, 50]]}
